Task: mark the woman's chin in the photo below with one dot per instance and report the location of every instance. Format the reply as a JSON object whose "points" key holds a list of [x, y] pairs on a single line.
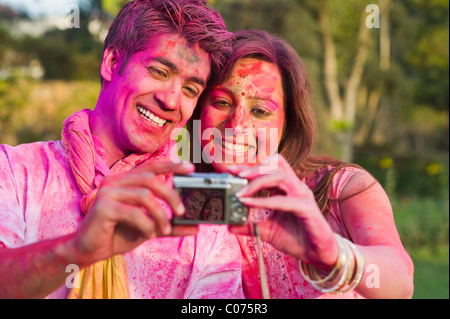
{"points": [[222, 165], [227, 167]]}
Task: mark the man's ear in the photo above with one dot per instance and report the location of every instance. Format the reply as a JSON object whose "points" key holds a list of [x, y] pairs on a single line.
{"points": [[110, 64]]}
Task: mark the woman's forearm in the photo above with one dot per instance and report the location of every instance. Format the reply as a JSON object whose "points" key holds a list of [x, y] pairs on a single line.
{"points": [[388, 273]]}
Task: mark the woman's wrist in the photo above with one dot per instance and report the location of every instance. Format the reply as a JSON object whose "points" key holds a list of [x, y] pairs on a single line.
{"points": [[344, 276]]}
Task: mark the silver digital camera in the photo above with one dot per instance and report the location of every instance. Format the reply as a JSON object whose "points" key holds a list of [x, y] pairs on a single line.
{"points": [[209, 199]]}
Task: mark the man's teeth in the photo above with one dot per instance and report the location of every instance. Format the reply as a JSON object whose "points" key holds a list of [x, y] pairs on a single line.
{"points": [[235, 147], [150, 116]]}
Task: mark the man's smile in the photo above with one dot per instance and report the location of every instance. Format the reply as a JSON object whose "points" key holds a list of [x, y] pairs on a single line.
{"points": [[151, 117]]}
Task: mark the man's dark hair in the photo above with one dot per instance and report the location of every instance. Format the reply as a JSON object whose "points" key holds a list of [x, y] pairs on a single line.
{"points": [[140, 20]]}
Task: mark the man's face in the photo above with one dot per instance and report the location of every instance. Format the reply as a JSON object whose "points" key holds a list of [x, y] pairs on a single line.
{"points": [[194, 203], [156, 93]]}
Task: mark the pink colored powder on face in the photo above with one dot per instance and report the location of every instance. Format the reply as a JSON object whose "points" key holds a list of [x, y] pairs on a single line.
{"points": [[250, 100], [260, 81], [250, 68], [154, 80], [170, 44]]}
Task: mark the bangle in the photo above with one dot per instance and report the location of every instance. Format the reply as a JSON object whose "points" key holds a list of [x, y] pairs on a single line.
{"points": [[336, 277], [357, 275], [344, 276], [309, 272]]}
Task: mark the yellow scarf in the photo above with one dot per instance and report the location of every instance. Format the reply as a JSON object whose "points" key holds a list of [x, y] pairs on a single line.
{"points": [[106, 279]]}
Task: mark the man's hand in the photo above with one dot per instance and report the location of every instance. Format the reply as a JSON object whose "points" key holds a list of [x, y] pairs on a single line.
{"points": [[126, 212]]}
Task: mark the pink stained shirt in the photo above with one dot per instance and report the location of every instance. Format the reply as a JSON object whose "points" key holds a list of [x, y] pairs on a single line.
{"points": [[39, 199], [283, 273]]}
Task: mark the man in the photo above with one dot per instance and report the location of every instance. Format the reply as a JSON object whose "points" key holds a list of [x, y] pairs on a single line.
{"points": [[94, 199], [193, 201]]}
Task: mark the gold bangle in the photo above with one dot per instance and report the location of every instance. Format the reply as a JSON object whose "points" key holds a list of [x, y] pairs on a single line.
{"points": [[344, 276], [359, 269], [308, 273], [338, 275]]}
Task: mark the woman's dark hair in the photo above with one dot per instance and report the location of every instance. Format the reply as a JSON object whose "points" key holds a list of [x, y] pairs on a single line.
{"points": [[298, 135]]}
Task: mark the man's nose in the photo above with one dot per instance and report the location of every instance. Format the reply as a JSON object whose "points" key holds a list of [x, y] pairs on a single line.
{"points": [[169, 97]]}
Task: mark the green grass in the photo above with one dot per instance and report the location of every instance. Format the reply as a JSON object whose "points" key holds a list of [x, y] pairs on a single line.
{"points": [[431, 274], [423, 225]]}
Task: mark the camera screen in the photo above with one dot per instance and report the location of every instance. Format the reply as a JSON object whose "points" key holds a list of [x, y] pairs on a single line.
{"points": [[202, 204]]}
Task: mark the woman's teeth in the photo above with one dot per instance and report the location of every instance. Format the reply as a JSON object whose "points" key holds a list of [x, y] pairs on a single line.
{"points": [[150, 116], [235, 147]]}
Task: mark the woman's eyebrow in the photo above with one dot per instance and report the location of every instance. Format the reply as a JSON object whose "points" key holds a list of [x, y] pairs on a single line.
{"points": [[224, 90], [263, 98], [252, 97]]}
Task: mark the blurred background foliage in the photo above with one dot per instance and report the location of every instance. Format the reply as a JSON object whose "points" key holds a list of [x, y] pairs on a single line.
{"points": [[381, 94]]}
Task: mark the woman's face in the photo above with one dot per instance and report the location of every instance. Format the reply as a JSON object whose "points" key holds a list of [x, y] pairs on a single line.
{"points": [[242, 119], [213, 210]]}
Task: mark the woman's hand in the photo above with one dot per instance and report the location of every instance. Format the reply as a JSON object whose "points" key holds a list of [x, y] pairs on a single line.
{"points": [[297, 226]]}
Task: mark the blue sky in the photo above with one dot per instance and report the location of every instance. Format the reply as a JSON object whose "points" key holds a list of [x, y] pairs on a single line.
{"points": [[36, 8]]}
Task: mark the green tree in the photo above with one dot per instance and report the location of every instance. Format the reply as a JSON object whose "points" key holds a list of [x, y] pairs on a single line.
{"points": [[111, 7], [370, 85]]}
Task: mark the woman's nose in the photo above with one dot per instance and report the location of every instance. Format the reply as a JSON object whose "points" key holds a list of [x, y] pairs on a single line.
{"points": [[239, 120]]}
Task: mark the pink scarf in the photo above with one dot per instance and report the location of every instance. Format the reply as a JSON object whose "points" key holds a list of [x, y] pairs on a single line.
{"points": [[106, 278]]}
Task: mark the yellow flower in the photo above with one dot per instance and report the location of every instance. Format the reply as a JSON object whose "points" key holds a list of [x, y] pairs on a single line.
{"points": [[434, 169], [386, 162]]}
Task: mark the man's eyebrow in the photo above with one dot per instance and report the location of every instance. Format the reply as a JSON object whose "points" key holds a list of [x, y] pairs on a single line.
{"points": [[197, 80], [175, 70], [167, 63]]}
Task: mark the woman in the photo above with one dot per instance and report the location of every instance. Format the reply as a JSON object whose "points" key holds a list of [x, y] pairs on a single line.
{"points": [[213, 209], [306, 207]]}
